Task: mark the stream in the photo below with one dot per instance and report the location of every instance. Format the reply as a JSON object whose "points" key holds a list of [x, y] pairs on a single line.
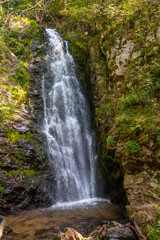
{"points": [[83, 216]]}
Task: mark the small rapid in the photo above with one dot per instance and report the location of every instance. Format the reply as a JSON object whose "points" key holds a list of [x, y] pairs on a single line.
{"points": [[67, 125]]}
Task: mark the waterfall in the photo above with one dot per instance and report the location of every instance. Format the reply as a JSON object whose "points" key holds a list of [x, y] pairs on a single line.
{"points": [[67, 125]]}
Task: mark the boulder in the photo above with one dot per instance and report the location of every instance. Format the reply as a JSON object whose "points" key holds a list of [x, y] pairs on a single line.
{"points": [[112, 231], [70, 234], [35, 45]]}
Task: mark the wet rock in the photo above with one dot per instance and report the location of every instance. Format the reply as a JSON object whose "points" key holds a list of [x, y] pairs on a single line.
{"points": [[33, 68], [119, 151], [7, 162], [70, 234], [22, 129], [37, 60], [35, 45], [3, 140], [19, 190], [120, 233], [35, 54], [113, 231]]}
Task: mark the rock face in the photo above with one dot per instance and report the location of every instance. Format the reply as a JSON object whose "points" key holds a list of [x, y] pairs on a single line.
{"points": [[137, 171], [112, 231], [22, 158]]}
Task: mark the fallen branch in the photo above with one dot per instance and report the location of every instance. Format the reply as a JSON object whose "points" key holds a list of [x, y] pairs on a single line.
{"points": [[136, 229]]}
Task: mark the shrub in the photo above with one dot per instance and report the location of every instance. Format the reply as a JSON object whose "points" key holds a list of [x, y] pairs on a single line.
{"points": [[154, 230], [133, 146], [33, 24], [158, 139], [22, 76], [111, 142], [1, 191], [129, 101], [20, 171], [14, 136]]}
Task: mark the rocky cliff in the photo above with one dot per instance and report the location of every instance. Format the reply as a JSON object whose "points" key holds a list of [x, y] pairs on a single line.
{"points": [[127, 121], [117, 46], [23, 164]]}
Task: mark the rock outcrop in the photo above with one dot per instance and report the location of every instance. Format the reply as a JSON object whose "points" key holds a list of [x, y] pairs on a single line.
{"points": [[22, 157], [115, 117]]}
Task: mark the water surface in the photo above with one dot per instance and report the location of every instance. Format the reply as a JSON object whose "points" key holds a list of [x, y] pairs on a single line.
{"points": [[83, 216]]}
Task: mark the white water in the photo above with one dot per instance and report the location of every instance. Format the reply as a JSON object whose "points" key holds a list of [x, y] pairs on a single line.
{"points": [[67, 126], [84, 203]]}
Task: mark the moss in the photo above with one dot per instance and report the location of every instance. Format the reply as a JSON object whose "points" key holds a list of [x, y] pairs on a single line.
{"points": [[111, 142], [19, 158], [20, 171], [14, 136], [14, 75], [22, 77], [78, 44], [154, 229], [1, 191], [132, 146]]}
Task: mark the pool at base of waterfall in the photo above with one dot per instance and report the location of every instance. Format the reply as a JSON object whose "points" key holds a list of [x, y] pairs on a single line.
{"points": [[83, 216]]}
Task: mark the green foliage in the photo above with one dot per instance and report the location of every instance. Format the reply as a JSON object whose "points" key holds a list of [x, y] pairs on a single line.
{"points": [[111, 142], [16, 36], [104, 110], [154, 230], [7, 109], [55, 7], [21, 33], [1, 191], [14, 136], [20, 159], [155, 76], [15, 7], [158, 139], [20, 171], [22, 77], [133, 146], [78, 44], [14, 41], [128, 101], [33, 24], [10, 101], [139, 120], [137, 109]]}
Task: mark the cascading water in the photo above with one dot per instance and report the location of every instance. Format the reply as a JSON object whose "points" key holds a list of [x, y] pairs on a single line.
{"points": [[71, 152], [67, 125]]}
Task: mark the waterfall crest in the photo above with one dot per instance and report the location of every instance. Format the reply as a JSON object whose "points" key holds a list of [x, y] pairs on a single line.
{"points": [[67, 125]]}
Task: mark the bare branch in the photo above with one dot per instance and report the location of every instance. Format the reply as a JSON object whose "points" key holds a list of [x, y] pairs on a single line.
{"points": [[28, 9], [4, 1], [44, 10]]}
